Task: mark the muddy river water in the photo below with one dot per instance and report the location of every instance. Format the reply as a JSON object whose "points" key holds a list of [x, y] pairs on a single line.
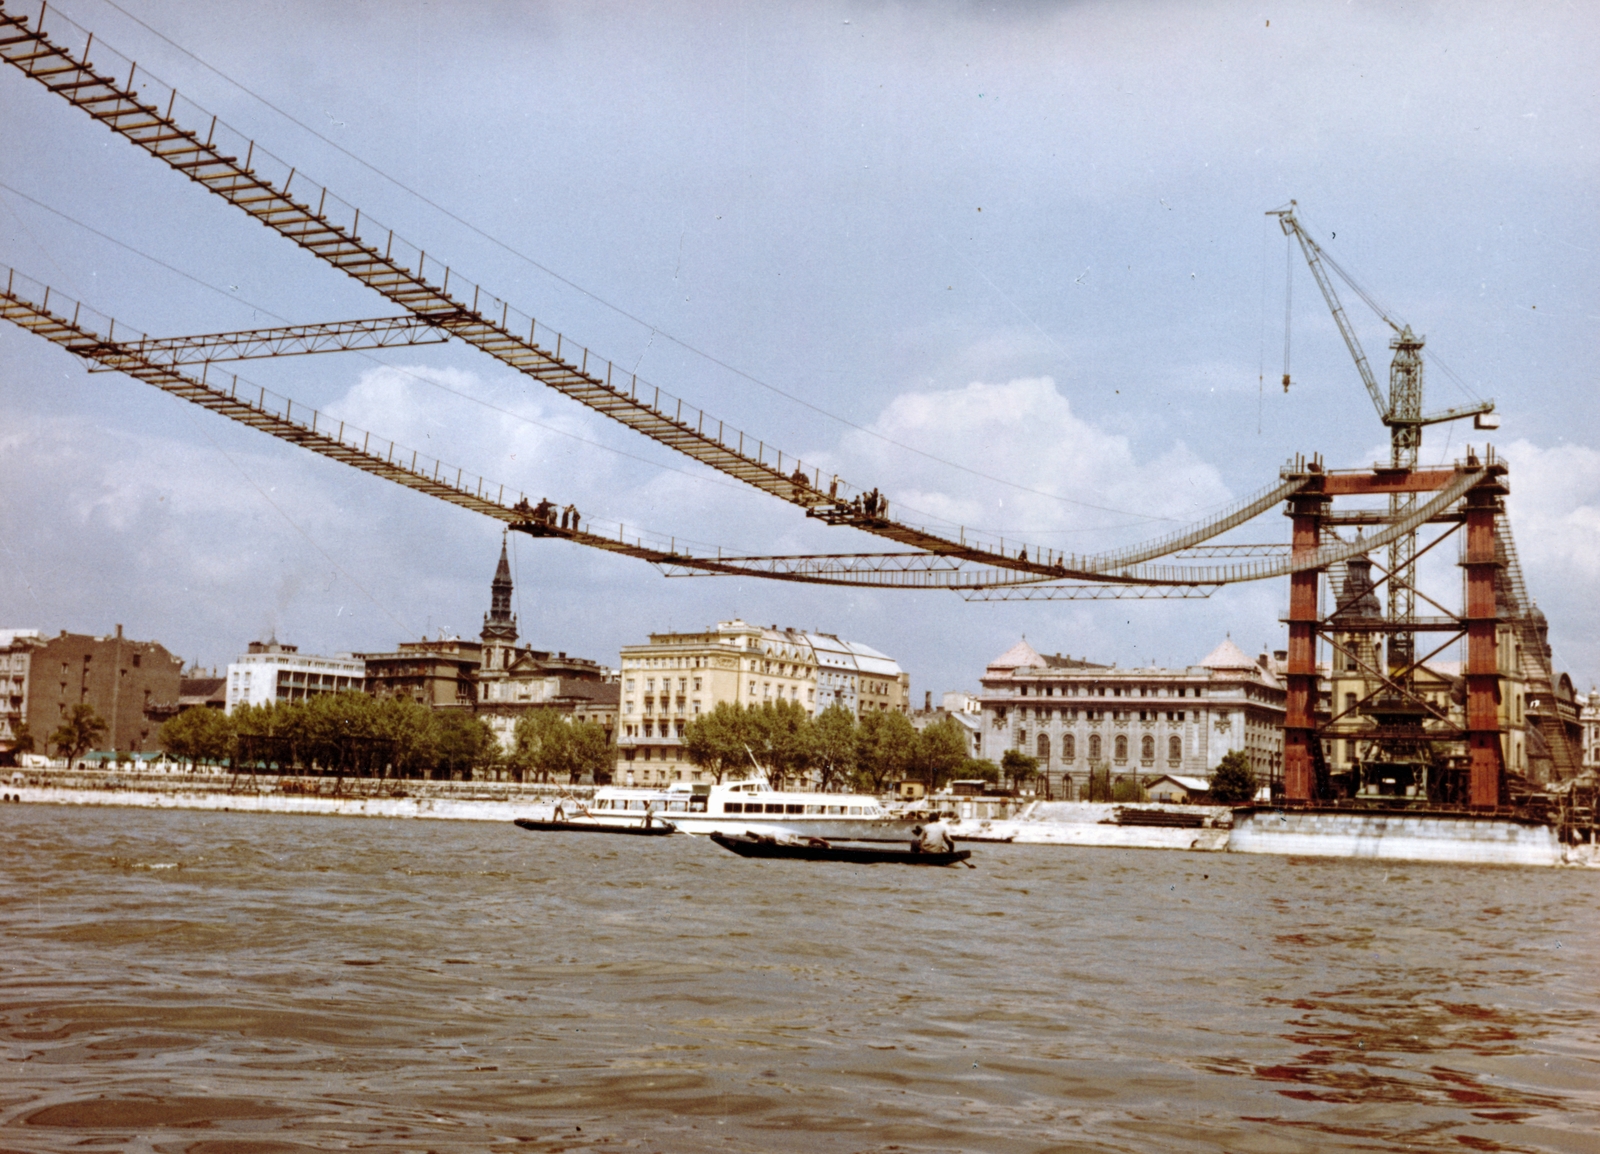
{"points": [[216, 982]]}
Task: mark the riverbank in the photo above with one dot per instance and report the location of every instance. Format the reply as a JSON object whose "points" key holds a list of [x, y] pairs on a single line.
{"points": [[436, 800], [1433, 837]]}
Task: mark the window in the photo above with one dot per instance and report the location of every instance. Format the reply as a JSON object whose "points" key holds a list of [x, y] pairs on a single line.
{"points": [[1174, 749], [1069, 748], [1044, 748], [1147, 748], [1094, 747], [1122, 747]]}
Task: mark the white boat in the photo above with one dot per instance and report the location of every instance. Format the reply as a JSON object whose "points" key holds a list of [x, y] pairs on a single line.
{"points": [[746, 806]]}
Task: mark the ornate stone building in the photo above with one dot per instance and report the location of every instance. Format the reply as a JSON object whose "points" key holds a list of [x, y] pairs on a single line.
{"points": [[1074, 715], [669, 682], [513, 679]]}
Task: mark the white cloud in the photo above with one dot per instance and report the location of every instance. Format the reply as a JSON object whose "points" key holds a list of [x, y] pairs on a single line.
{"points": [[1069, 477]]}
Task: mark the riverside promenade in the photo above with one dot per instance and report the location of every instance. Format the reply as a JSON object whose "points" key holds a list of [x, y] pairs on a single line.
{"points": [[1459, 839], [247, 793]]}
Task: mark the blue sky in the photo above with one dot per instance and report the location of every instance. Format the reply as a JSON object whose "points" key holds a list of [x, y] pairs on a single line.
{"points": [[1024, 239]]}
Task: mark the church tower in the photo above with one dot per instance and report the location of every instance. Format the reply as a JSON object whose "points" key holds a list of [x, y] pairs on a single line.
{"points": [[499, 624]]}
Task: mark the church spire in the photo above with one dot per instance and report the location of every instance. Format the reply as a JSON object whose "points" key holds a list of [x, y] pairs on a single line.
{"points": [[500, 624]]}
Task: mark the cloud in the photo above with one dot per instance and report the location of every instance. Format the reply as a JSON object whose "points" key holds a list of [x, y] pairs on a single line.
{"points": [[1070, 478]]}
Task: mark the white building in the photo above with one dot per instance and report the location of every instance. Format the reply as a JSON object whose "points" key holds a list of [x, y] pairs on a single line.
{"points": [[272, 672], [1589, 718], [16, 657], [1074, 715]]}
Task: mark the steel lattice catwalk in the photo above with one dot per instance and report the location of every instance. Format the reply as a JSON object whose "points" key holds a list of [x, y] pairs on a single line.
{"points": [[287, 341], [333, 231], [45, 47], [90, 335]]}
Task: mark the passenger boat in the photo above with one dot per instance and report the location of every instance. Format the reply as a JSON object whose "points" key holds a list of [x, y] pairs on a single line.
{"points": [[817, 849], [751, 804], [654, 829]]}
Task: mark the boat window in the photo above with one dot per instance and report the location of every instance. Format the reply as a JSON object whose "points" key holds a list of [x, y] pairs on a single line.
{"points": [[794, 809], [772, 808], [813, 809], [836, 809], [855, 809], [697, 805], [733, 807], [676, 806]]}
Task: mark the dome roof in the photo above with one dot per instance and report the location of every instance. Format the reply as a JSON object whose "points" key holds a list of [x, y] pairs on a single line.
{"points": [[1019, 656], [1227, 656]]}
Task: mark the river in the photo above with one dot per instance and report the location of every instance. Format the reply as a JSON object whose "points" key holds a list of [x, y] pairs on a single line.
{"points": [[218, 983]]}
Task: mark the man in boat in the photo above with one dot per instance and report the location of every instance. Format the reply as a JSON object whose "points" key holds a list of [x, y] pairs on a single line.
{"points": [[933, 837]]}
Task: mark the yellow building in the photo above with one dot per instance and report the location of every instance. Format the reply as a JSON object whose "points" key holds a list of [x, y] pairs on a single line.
{"points": [[675, 678]]}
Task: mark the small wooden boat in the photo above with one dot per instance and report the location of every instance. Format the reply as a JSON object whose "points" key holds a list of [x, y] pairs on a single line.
{"points": [[657, 829], [816, 849]]}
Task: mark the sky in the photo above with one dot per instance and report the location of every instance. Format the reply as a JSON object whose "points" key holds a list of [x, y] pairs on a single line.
{"points": [[1011, 264]]}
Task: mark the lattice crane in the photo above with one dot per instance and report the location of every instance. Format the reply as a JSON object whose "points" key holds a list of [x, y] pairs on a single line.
{"points": [[1401, 412]]}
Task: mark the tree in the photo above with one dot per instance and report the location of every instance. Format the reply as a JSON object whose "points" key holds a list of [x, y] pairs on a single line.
{"points": [[834, 737], [550, 747], [1126, 789], [198, 735], [885, 744], [538, 742], [461, 743], [781, 738], [939, 752], [408, 724], [1233, 781], [1018, 766], [977, 769], [80, 730], [590, 753], [22, 739], [718, 741], [1098, 787]]}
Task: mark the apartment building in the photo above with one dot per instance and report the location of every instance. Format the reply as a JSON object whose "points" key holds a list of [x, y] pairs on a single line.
{"points": [[676, 677]]}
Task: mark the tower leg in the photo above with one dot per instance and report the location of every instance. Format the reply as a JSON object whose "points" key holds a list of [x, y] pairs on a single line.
{"points": [[1299, 723], [1485, 757]]}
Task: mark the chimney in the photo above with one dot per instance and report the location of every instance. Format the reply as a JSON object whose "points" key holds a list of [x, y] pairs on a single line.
{"points": [[927, 701], [119, 633]]}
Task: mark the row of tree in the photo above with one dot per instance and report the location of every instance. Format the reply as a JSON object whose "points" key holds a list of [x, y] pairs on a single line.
{"points": [[352, 734], [833, 749]]}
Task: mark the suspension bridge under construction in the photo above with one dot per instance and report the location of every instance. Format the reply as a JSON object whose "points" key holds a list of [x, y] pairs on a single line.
{"points": [[437, 304]]}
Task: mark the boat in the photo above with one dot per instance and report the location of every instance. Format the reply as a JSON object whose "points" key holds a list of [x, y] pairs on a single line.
{"points": [[751, 805], [655, 829], [818, 849]]}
